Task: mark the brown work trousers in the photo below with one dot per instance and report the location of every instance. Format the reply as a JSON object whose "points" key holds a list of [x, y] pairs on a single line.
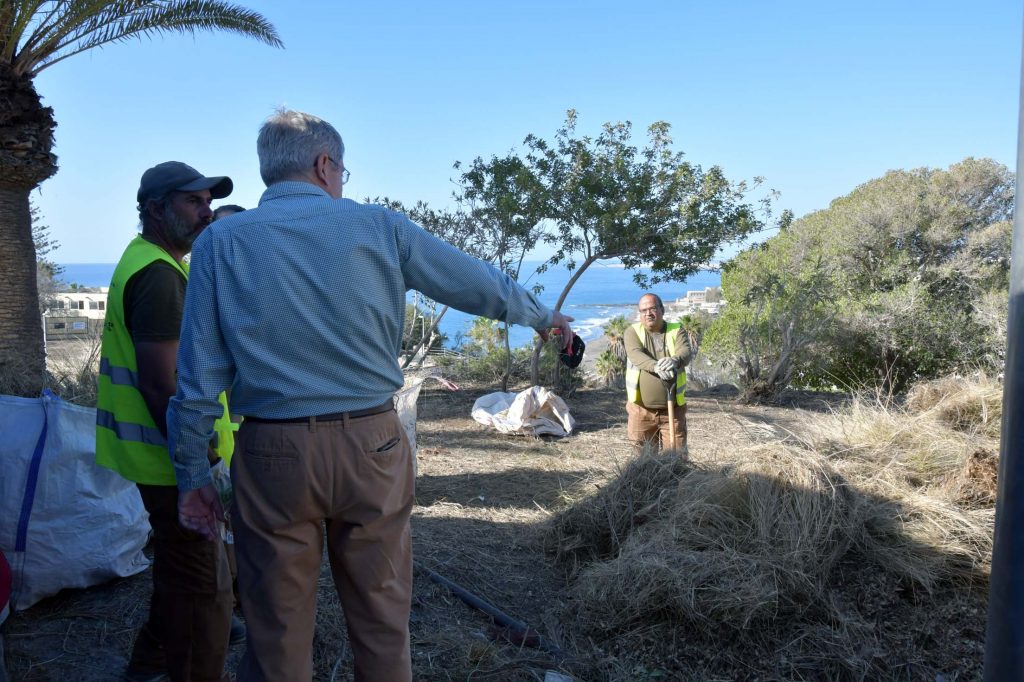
{"points": [[189, 622], [650, 428], [292, 480]]}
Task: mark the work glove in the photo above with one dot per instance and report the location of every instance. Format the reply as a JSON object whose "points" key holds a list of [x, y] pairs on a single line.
{"points": [[666, 369]]}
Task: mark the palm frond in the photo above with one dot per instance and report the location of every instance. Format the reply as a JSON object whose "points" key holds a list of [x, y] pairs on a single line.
{"points": [[15, 18], [65, 28]]}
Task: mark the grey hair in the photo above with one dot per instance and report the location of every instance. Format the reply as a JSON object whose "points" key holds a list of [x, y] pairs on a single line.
{"points": [[289, 143], [161, 205]]}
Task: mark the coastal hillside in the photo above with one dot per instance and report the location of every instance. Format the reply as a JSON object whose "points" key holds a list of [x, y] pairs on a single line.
{"points": [[828, 538]]}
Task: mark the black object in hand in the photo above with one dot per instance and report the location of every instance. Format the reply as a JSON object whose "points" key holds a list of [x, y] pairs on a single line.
{"points": [[573, 356]]}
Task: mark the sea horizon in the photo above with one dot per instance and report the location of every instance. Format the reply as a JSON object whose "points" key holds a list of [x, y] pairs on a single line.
{"points": [[605, 291]]}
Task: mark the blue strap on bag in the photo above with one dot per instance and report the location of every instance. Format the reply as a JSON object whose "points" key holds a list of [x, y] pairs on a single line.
{"points": [[33, 479]]}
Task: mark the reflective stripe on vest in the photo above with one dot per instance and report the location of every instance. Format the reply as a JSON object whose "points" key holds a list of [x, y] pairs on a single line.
{"points": [[633, 372], [121, 376], [134, 433]]}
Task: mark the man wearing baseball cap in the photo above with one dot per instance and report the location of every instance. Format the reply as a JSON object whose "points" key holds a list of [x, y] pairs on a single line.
{"points": [[187, 634]]}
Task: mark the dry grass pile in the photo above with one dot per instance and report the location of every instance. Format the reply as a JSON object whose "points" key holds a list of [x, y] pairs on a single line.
{"points": [[751, 556], [972, 405], [945, 437], [725, 554]]}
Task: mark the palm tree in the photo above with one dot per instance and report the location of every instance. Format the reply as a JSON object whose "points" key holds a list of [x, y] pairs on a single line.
{"points": [[609, 368], [35, 35], [615, 330]]}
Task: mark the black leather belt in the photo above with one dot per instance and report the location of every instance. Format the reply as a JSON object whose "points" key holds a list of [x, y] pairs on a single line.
{"points": [[333, 417]]}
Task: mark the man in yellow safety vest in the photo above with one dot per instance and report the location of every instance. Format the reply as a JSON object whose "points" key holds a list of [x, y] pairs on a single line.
{"points": [[657, 353], [190, 623]]}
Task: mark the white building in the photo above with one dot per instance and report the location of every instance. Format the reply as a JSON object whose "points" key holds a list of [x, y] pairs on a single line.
{"points": [[709, 301], [91, 303], [76, 314]]}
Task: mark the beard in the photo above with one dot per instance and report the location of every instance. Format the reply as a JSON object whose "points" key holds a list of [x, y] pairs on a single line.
{"points": [[180, 233]]}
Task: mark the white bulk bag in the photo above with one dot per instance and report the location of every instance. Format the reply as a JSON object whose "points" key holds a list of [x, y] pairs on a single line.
{"points": [[64, 520]]}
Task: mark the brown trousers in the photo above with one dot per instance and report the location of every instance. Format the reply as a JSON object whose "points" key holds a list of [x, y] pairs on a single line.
{"points": [[647, 427], [354, 478], [190, 611]]}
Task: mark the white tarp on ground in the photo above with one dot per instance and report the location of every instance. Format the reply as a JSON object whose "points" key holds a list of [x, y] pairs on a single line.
{"points": [[533, 412], [64, 521]]}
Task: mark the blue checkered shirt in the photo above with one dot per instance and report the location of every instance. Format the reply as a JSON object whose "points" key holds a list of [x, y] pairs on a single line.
{"points": [[298, 306]]}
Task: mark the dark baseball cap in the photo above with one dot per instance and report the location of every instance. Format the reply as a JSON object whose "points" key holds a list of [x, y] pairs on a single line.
{"points": [[573, 356], [175, 176]]}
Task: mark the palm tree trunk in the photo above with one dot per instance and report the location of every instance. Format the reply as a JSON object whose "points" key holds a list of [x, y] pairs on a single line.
{"points": [[26, 138], [22, 354]]}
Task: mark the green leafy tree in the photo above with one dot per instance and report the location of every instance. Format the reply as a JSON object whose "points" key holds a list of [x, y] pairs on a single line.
{"points": [[779, 319], [910, 271], [644, 206], [508, 204], [34, 36]]}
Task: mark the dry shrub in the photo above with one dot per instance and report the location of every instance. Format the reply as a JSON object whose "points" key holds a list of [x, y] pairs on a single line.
{"points": [[975, 484], [746, 553], [914, 448], [972, 405], [71, 370], [17, 379], [933, 478]]}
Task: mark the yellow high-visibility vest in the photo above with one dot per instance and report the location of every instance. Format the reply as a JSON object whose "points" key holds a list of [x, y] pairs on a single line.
{"points": [[127, 439], [633, 372]]}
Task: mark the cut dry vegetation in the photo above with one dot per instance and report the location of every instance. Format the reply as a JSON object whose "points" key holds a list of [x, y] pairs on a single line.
{"points": [[798, 543]]}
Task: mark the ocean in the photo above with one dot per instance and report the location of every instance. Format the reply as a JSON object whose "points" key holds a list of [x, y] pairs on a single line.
{"points": [[604, 291]]}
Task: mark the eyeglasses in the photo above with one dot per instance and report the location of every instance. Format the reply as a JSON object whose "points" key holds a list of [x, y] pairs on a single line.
{"points": [[344, 171]]}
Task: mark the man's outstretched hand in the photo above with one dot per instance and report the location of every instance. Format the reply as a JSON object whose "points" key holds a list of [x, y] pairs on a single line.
{"points": [[560, 323], [200, 511]]}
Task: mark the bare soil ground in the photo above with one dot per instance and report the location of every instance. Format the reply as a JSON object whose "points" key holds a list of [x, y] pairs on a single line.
{"points": [[482, 499]]}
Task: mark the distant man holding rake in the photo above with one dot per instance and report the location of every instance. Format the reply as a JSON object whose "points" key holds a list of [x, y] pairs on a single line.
{"points": [[657, 353]]}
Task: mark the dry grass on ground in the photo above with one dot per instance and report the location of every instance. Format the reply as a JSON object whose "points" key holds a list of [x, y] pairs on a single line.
{"points": [[796, 544]]}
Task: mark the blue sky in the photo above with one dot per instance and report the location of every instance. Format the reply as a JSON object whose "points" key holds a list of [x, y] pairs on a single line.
{"points": [[816, 97]]}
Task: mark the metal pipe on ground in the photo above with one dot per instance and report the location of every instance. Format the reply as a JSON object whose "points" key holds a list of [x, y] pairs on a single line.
{"points": [[518, 632]]}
